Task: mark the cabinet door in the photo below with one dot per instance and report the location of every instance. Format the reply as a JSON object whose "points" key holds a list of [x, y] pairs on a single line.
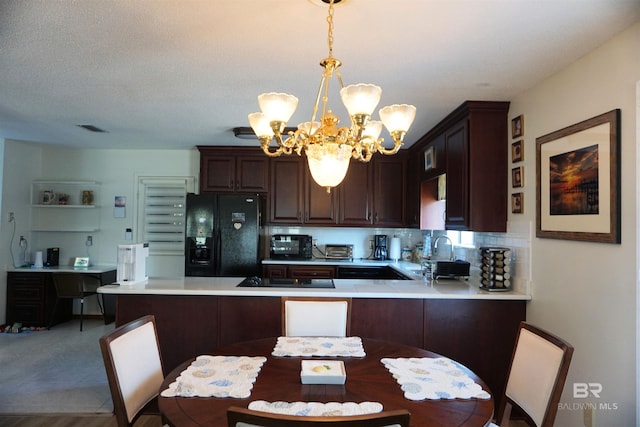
{"points": [[217, 173], [388, 196], [311, 272], [319, 206], [274, 271], [456, 215], [414, 166], [285, 190], [252, 174], [355, 196]]}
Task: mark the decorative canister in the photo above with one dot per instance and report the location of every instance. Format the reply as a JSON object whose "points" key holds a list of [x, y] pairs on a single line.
{"points": [[406, 254], [87, 197]]}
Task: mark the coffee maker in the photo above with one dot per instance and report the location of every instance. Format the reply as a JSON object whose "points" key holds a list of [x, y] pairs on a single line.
{"points": [[380, 247]]}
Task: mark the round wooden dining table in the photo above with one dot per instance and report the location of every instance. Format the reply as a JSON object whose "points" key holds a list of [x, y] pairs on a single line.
{"points": [[367, 380]]}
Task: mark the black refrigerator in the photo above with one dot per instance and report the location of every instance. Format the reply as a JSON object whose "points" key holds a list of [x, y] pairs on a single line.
{"points": [[222, 235]]}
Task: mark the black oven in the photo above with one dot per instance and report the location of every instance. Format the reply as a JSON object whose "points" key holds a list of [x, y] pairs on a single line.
{"points": [[291, 246]]}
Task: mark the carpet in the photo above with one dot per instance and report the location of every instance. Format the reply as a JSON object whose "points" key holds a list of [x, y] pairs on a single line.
{"points": [[54, 371]]}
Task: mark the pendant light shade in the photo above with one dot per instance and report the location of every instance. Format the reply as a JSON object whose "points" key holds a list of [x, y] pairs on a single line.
{"points": [[328, 163]]}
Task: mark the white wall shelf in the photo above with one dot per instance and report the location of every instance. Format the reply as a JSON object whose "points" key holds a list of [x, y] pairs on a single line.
{"points": [[63, 208]]}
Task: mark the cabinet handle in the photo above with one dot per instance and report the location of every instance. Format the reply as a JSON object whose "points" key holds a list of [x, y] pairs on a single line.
{"points": [[231, 184]]}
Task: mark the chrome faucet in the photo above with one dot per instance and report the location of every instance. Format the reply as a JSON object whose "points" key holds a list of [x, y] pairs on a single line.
{"points": [[435, 245]]}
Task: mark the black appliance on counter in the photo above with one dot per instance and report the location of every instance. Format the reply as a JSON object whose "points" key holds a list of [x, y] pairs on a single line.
{"points": [[222, 235], [53, 257], [291, 246], [380, 247]]}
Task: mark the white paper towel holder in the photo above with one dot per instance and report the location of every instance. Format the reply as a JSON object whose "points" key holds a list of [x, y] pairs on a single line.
{"points": [[395, 249]]}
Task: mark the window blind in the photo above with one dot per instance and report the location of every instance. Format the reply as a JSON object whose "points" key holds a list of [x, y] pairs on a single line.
{"points": [[162, 213]]}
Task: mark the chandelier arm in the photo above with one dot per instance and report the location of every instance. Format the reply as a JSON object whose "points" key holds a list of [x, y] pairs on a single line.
{"points": [[388, 151], [266, 148]]}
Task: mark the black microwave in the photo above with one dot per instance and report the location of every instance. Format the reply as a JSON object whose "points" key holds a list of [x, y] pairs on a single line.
{"points": [[291, 246]]}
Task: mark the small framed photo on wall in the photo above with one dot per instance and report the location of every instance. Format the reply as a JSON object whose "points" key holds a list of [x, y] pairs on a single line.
{"points": [[517, 126], [517, 177], [429, 158], [517, 203], [517, 152]]}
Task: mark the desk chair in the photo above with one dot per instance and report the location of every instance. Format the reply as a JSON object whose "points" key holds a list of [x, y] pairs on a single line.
{"points": [[133, 362], [75, 286], [243, 417], [316, 317], [537, 374]]}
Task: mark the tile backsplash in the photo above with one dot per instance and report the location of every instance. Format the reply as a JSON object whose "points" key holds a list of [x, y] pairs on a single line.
{"points": [[517, 238]]}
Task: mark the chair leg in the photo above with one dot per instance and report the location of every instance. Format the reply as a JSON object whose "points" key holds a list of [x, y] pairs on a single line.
{"points": [[100, 304], [81, 312]]}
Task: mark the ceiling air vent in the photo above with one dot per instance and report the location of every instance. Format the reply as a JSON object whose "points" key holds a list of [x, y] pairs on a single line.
{"points": [[92, 128]]}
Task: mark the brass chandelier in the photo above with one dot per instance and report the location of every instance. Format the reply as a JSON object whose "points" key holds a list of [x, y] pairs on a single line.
{"points": [[328, 147]]}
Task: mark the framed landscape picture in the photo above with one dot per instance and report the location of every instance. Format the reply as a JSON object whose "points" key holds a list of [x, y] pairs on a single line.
{"points": [[578, 181]]}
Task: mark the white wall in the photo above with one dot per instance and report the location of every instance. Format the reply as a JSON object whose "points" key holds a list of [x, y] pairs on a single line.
{"points": [[116, 170], [586, 292]]}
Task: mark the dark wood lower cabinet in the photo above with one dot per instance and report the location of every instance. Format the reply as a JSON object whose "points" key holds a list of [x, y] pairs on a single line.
{"points": [[477, 333], [31, 298], [396, 320]]}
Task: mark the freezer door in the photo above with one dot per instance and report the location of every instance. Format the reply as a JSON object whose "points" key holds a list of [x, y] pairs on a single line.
{"points": [[239, 235]]}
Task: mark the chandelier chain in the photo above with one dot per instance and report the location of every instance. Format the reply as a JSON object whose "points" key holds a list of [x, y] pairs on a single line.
{"points": [[330, 31]]}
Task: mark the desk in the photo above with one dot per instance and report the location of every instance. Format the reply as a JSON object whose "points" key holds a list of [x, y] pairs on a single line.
{"points": [[31, 295], [367, 380]]}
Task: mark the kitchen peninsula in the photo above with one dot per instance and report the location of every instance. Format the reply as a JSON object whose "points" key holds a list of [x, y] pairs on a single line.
{"points": [[196, 315]]}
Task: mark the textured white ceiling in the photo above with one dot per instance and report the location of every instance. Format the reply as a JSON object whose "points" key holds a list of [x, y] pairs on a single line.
{"points": [[179, 73]]}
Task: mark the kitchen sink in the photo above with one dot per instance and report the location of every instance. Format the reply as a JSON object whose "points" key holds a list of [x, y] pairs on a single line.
{"points": [[257, 282]]}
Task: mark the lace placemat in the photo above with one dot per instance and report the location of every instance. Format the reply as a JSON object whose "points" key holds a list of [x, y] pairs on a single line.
{"points": [[319, 346], [330, 409], [433, 378], [217, 376]]}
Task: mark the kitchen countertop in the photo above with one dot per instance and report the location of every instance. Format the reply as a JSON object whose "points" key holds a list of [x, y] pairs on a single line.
{"points": [[354, 288], [98, 268]]}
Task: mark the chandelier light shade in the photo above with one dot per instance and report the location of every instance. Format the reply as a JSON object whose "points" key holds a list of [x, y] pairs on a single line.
{"points": [[329, 147]]}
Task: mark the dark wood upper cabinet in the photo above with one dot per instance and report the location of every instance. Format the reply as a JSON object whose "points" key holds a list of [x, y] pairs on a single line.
{"points": [[286, 192], [389, 175], [233, 170], [320, 207], [355, 196], [471, 149]]}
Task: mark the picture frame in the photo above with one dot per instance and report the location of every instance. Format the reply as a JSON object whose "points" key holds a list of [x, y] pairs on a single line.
{"points": [[81, 262], [429, 158], [517, 177], [517, 126], [517, 152], [578, 181], [517, 203]]}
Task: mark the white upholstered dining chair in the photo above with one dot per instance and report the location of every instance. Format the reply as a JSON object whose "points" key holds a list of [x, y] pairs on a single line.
{"points": [[134, 368], [536, 377], [316, 317], [243, 417]]}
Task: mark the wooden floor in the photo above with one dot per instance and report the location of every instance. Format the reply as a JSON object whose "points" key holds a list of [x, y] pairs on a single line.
{"points": [[73, 421]]}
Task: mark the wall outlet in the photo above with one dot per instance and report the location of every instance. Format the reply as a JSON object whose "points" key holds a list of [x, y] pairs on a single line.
{"points": [[315, 243], [587, 417], [12, 217], [370, 244], [89, 241]]}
